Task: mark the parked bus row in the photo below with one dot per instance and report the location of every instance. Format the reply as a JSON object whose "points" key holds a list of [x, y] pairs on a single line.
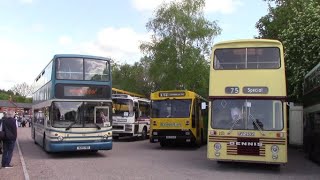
{"points": [[244, 118]]}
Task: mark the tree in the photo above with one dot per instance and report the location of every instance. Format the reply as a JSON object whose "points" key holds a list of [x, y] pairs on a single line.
{"points": [[178, 53], [296, 23], [134, 78], [22, 89]]}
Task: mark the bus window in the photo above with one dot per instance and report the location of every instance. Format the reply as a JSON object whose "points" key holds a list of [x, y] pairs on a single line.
{"points": [[144, 108], [69, 68], [245, 114], [247, 58], [171, 108], [66, 113], [96, 70], [123, 107]]}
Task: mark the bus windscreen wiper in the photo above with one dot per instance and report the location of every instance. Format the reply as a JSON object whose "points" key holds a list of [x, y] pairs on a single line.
{"points": [[70, 126], [257, 124]]}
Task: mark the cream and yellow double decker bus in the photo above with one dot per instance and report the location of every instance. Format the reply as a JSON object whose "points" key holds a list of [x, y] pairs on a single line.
{"points": [[178, 117], [247, 102]]}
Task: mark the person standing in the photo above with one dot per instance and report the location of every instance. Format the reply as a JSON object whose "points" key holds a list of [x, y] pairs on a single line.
{"points": [[1, 120], [9, 126]]}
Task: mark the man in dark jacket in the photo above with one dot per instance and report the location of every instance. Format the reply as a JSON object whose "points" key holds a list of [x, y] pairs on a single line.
{"points": [[9, 126], [1, 120]]}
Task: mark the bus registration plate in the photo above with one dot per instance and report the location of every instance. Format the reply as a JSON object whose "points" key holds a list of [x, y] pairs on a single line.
{"points": [[171, 137], [83, 147]]}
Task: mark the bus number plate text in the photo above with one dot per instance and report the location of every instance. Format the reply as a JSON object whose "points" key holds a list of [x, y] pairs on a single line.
{"points": [[83, 147], [246, 134], [171, 137]]}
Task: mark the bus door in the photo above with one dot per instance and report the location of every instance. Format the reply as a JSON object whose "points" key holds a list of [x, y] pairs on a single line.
{"points": [[101, 115], [195, 118]]}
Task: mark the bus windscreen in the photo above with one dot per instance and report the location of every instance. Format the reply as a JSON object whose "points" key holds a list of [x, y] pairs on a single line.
{"points": [[171, 108]]}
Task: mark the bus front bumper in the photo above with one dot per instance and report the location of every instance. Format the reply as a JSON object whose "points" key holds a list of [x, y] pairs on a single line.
{"points": [[79, 146], [172, 135]]}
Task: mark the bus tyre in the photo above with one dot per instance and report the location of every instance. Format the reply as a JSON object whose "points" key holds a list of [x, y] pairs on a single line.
{"points": [[311, 152], [34, 137], [44, 143], [202, 138], [144, 133]]}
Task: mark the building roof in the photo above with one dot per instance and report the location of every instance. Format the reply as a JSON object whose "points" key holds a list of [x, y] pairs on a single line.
{"points": [[6, 103]]}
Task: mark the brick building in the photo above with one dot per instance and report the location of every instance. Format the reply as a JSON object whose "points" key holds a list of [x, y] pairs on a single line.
{"points": [[20, 108]]}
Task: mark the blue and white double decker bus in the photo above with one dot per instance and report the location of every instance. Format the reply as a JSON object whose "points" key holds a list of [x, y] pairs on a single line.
{"points": [[72, 105]]}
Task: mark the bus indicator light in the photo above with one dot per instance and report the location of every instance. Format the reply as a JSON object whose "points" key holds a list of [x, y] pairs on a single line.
{"points": [[280, 135]]}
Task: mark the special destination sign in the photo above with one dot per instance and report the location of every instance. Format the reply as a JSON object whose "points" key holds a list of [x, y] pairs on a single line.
{"points": [[255, 90]]}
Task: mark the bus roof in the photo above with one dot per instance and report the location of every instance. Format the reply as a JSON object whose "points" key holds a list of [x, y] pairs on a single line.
{"points": [[79, 56], [248, 41], [120, 91], [312, 70]]}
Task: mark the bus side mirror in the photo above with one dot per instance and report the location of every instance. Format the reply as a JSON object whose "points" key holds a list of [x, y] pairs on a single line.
{"points": [[203, 105]]}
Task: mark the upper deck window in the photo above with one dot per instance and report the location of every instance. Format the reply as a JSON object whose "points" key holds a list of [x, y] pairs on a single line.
{"points": [[96, 70], [247, 58], [69, 68]]}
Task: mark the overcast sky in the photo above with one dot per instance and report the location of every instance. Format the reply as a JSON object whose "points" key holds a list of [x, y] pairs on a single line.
{"points": [[32, 31]]}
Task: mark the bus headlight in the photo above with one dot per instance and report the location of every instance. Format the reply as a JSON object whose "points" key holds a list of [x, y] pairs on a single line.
{"points": [[217, 146], [187, 133], [274, 149], [60, 138], [155, 133]]}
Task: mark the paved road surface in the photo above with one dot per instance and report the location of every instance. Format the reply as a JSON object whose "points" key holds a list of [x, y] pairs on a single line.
{"points": [[143, 160]]}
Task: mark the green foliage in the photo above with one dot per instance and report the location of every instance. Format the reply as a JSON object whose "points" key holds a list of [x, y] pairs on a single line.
{"points": [[133, 78], [296, 23], [181, 45], [5, 95]]}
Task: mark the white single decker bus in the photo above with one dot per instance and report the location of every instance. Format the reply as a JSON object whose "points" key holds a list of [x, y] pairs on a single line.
{"points": [[131, 116]]}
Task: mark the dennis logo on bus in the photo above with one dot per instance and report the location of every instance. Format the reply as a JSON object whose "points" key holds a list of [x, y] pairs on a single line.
{"points": [[253, 144]]}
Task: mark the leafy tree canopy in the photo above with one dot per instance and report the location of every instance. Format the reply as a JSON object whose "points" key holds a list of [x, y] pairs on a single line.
{"points": [[178, 54], [296, 23]]}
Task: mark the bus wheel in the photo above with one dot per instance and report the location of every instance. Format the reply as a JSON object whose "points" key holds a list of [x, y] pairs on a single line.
{"points": [[311, 151], [45, 144], [144, 133], [34, 137], [202, 138]]}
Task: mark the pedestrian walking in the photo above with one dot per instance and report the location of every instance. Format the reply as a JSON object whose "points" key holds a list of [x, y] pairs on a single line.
{"points": [[9, 126]]}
